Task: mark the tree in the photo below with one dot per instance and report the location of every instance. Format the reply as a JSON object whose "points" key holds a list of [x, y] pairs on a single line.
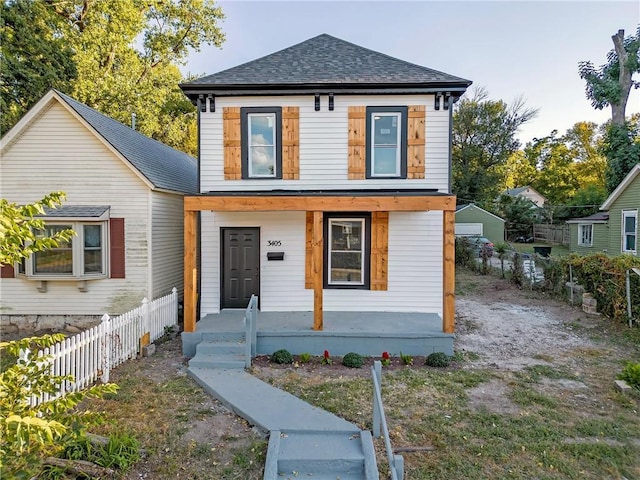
{"points": [[20, 231], [127, 55], [621, 147], [483, 138], [35, 57], [520, 214]]}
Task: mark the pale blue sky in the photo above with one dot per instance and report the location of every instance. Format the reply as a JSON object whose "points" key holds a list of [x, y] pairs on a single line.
{"points": [[510, 48]]}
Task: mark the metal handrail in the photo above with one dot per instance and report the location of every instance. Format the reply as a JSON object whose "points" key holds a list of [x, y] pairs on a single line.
{"points": [[396, 462], [250, 320]]}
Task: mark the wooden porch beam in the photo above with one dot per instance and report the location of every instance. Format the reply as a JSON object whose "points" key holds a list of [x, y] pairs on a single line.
{"points": [[449, 272], [317, 269], [249, 203], [190, 271]]}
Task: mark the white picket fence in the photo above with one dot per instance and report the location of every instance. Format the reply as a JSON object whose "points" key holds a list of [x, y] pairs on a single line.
{"points": [[90, 355]]}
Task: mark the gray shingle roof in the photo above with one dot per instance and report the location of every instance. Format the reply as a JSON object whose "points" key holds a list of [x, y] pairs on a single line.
{"points": [[326, 60], [165, 167], [85, 211]]}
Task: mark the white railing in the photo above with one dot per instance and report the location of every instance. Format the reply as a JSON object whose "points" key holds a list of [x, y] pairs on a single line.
{"points": [[90, 355], [250, 319], [396, 462]]}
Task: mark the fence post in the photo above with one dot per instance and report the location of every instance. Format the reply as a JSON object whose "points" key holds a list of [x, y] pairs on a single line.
{"points": [[174, 302], [145, 339], [106, 353], [377, 418]]}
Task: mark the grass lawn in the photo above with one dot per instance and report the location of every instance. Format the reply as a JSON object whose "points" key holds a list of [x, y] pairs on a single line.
{"points": [[556, 250]]}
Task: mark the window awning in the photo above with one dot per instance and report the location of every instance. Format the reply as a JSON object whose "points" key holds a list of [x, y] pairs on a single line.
{"points": [[77, 212]]}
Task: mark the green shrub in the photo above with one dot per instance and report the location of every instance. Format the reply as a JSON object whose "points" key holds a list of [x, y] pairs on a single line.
{"points": [[282, 356], [120, 452], [631, 374], [406, 359], [438, 359], [305, 357], [352, 360]]}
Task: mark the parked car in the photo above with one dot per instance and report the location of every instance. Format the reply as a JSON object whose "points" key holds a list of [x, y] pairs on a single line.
{"points": [[481, 245]]}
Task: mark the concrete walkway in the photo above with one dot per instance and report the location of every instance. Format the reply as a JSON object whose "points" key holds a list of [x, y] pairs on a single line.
{"points": [[267, 407]]}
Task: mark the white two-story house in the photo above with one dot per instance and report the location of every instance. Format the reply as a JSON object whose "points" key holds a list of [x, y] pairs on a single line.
{"points": [[324, 186]]}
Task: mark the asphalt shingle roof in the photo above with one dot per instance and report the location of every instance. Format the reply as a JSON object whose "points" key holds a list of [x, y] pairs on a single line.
{"points": [[165, 167], [85, 211], [326, 60]]}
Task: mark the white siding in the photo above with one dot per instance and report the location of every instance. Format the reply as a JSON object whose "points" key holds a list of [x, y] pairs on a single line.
{"points": [[415, 265], [167, 222], [56, 152], [324, 144]]}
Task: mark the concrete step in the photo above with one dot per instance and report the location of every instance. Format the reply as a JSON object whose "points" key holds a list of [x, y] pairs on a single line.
{"points": [[221, 348], [237, 336], [330, 455], [226, 361]]}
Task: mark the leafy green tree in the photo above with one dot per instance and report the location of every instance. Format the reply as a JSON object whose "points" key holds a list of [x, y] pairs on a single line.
{"points": [[520, 214], [484, 137], [621, 147], [35, 57], [127, 54], [20, 231]]}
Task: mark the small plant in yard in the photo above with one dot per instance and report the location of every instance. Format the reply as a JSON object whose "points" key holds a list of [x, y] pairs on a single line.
{"points": [[282, 356], [352, 360], [326, 359], [385, 359], [305, 357], [438, 359], [631, 374], [406, 359]]}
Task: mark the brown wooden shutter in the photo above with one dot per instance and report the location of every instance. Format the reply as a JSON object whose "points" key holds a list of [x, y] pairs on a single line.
{"points": [[357, 143], [415, 142], [7, 271], [379, 250], [290, 143], [116, 248], [232, 143], [308, 251]]}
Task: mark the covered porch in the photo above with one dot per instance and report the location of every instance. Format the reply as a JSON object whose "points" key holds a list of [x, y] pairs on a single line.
{"points": [[367, 333]]}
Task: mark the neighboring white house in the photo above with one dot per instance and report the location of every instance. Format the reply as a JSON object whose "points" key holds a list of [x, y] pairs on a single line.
{"points": [[124, 200], [528, 193], [324, 184]]}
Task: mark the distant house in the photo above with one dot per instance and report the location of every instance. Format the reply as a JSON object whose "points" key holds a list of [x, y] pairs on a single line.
{"points": [[473, 220], [615, 229], [124, 200], [528, 193]]}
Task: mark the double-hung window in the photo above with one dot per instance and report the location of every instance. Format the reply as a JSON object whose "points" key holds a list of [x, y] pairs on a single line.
{"points": [[630, 231], [347, 250], [84, 256], [261, 142], [585, 235], [386, 142]]}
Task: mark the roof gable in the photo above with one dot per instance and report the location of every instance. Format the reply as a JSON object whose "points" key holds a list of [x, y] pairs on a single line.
{"points": [[460, 208], [327, 61], [163, 167], [628, 180]]}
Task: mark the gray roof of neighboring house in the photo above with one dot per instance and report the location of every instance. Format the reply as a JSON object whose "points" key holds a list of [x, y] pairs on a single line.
{"points": [[165, 167], [516, 191], [596, 217], [84, 211], [327, 61]]}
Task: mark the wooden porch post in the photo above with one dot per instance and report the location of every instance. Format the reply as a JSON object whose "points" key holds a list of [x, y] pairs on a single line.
{"points": [[449, 271], [190, 271], [317, 269]]}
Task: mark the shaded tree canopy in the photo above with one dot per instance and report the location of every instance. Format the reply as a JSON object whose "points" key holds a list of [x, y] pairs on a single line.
{"points": [[126, 57], [483, 138]]}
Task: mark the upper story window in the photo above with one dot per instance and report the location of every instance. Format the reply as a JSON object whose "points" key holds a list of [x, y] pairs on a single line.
{"points": [[83, 257], [261, 142], [630, 231], [386, 142], [585, 235]]}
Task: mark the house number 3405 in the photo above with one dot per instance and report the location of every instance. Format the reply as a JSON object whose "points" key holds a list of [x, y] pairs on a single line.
{"points": [[274, 243]]}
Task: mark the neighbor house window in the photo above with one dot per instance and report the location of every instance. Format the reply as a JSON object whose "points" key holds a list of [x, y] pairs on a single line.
{"points": [[347, 251], [261, 142], [630, 231], [386, 142], [84, 256], [585, 235]]}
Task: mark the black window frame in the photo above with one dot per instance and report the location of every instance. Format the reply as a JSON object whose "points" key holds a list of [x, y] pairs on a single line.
{"points": [[403, 111], [244, 136], [366, 251]]}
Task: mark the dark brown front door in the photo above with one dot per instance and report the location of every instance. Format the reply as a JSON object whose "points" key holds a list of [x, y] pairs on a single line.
{"points": [[240, 266]]}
